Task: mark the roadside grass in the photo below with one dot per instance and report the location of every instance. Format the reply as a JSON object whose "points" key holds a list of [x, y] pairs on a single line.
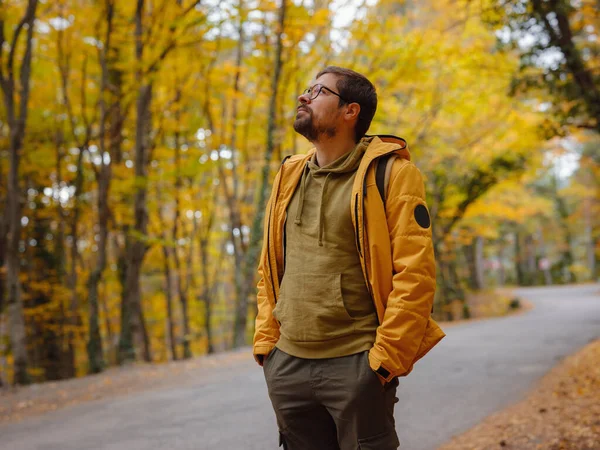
{"points": [[488, 303]]}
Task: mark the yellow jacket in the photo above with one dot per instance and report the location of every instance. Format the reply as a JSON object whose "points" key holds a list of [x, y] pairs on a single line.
{"points": [[396, 255]]}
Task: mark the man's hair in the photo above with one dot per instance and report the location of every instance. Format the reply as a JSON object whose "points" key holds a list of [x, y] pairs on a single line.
{"points": [[355, 88]]}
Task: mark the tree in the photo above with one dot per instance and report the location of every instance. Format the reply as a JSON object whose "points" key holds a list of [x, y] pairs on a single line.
{"points": [[107, 103], [241, 314], [16, 97], [465, 136], [558, 57], [147, 66]]}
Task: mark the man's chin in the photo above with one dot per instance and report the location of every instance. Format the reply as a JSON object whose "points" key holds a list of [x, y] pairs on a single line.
{"points": [[302, 127]]}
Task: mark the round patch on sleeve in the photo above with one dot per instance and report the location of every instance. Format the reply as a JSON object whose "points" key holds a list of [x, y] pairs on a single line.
{"points": [[422, 216]]}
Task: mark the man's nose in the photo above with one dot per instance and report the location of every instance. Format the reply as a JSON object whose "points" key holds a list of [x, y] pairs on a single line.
{"points": [[304, 99]]}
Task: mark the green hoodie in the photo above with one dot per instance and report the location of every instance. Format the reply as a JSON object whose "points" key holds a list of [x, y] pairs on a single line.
{"points": [[324, 307]]}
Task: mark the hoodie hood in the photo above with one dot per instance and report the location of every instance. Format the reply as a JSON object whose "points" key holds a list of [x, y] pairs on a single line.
{"points": [[348, 162], [380, 145]]}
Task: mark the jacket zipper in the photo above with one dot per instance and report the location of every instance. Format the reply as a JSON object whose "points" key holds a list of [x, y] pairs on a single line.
{"points": [[356, 234], [273, 206], [284, 240], [269, 256]]}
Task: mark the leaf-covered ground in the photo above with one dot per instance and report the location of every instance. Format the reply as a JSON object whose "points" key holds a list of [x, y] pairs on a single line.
{"points": [[562, 413]]}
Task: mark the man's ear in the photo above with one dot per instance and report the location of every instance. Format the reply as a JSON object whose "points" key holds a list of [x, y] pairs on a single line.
{"points": [[352, 111]]}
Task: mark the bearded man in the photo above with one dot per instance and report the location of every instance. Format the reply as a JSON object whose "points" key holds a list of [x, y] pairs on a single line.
{"points": [[347, 275]]}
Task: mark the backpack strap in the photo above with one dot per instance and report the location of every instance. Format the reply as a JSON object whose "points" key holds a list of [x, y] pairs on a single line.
{"points": [[382, 174], [382, 178]]}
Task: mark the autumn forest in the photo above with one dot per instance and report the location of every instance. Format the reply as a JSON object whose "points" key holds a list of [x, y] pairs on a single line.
{"points": [[139, 140]]}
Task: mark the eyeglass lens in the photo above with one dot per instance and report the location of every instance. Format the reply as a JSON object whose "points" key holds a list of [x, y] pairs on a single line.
{"points": [[313, 91]]}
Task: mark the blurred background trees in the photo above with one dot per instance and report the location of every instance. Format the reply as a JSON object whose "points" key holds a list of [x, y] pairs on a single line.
{"points": [[138, 140]]}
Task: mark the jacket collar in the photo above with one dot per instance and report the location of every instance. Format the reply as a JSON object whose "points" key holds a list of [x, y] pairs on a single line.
{"points": [[380, 145]]}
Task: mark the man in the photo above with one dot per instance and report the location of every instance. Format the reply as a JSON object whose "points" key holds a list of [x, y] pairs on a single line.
{"points": [[346, 282]]}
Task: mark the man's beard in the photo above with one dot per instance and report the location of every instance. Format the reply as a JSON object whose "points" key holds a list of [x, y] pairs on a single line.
{"points": [[306, 127]]}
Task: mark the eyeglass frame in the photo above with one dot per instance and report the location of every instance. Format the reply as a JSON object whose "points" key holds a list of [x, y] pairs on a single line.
{"points": [[321, 87]]}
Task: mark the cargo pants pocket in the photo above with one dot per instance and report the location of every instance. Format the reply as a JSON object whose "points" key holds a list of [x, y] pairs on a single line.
{"points": [[387, 440]]}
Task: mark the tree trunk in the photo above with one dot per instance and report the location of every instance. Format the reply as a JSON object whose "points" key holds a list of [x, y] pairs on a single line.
{"points": [[189, 275], [125, 349], [16, 125], [590, 247], [94, 343], [110, 336], [530, 260], [521, 279], [206, 297], [169, 297], [15, 305], [3, 241], [443, 292], [181, 289], [3, 364], [457, 290], [542, 263], [241, 312], [74, 320], [133, 329], [132, 308], [439, 305], [116, 118], [60, 254], [448, 288], [233, 198], [183, 300], [104, 176], [501, 270], [593, 260], [566, 261], [474, 256]]}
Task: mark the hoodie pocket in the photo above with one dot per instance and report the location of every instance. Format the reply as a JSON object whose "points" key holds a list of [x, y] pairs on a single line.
{"points": [[310, 308]]}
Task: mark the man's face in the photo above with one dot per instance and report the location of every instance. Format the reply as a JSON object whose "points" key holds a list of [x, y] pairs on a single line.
{"points": [[320, 116]]}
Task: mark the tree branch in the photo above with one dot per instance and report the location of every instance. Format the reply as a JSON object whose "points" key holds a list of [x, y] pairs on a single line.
{"points": [[575, 64], [27, 19], [2, 40], [26, 65]]}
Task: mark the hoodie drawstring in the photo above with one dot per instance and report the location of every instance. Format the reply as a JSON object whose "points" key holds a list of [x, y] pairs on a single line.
{"points": [[343, 165], [298, 218], [322, 211]]}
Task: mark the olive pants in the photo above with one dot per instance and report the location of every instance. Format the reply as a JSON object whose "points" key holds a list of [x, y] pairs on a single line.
{"points": [[330, 404]]}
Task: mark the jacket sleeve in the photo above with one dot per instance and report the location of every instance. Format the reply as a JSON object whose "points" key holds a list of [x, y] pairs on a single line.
{"points": [[413, 284], [266, 330]]}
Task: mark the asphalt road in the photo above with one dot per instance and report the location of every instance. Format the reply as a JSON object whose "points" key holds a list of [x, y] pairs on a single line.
{"points": [[479, 368]]}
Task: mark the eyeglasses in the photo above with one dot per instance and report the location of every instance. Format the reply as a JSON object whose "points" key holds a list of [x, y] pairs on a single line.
{"points": [[314, 91]]}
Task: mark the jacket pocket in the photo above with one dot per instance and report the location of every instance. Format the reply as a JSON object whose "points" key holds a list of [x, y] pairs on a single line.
{"points": [[311, 309], [384, 441]]}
